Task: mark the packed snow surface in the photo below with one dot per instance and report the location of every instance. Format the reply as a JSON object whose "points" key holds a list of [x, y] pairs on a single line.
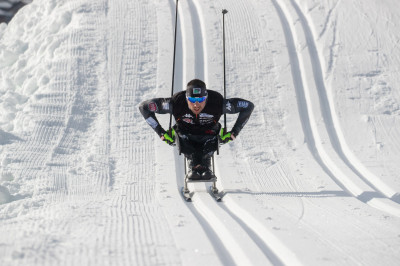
{"points": [[312, 179]]}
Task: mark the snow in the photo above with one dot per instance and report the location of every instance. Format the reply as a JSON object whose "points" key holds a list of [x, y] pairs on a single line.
{"points": [[313, 178]]}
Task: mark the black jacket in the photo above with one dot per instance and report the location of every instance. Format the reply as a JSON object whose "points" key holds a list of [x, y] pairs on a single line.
{"points": [[204, 123]]}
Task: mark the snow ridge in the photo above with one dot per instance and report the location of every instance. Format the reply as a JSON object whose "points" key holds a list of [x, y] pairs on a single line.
{"points": [[301, 63]]}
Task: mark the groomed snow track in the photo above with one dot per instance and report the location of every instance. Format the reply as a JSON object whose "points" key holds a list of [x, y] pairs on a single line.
{"points": [[214, 220], [326, 141], [237, 236]]}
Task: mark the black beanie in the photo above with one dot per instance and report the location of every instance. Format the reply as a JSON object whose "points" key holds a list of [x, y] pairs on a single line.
{"points": [[196, 88]]}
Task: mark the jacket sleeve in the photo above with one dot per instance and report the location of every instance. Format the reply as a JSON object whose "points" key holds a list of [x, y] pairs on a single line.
{"points": [[157, 105], [241, 106]]}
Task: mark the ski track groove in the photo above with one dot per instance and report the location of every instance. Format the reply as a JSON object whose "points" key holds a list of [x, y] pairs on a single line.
{"points": [[247, 43], [202, 214], [185, 33], [330, 118], [350, 180]]}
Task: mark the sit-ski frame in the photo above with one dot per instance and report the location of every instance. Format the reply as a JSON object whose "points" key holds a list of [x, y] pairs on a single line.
{"points": [[213, 189]]}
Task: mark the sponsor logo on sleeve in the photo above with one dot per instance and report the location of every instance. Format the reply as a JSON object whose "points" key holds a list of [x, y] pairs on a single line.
{"points": [[228, 106], [165, 106], [242, 104], [152, 107], [153, 123]]}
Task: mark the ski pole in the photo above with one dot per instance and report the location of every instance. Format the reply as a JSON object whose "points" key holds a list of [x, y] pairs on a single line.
{"points": [[224, 11], [173, 66]]}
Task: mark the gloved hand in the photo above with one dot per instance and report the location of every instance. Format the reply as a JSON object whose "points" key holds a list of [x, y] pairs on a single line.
{"points": [[169, 137], [226, 136]]}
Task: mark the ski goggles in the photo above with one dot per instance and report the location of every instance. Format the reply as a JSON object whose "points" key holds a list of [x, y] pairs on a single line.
{"points": [[197, 99]]}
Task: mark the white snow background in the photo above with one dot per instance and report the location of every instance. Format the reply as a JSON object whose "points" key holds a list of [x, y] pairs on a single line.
{"points": [[313, 178]]}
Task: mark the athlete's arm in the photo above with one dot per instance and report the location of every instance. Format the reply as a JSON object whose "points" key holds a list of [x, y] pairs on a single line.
{"points": [[157, 105], [241, 106]]}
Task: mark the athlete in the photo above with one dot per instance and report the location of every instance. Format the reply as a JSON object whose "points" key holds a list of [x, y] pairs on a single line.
{"points": [[197, 112]]}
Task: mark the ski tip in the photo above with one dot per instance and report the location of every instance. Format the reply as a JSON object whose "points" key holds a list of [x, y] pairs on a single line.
{"points": [[186, 195], [216, 194], [187, 198]]}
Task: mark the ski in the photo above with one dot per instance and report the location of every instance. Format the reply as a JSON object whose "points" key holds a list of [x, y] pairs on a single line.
{"points": [[215, 193], [187, 195]]}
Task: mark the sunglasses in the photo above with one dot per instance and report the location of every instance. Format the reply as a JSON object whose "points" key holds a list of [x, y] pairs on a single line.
{"points": [[197, 99]]}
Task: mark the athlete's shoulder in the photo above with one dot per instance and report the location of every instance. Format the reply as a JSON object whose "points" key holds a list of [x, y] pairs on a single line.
{"points": [[215, 94], [215, 97], [179, 94]]}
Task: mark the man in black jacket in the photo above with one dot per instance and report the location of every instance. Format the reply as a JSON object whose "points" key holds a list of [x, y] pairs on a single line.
{"points": [[197, 112]]}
